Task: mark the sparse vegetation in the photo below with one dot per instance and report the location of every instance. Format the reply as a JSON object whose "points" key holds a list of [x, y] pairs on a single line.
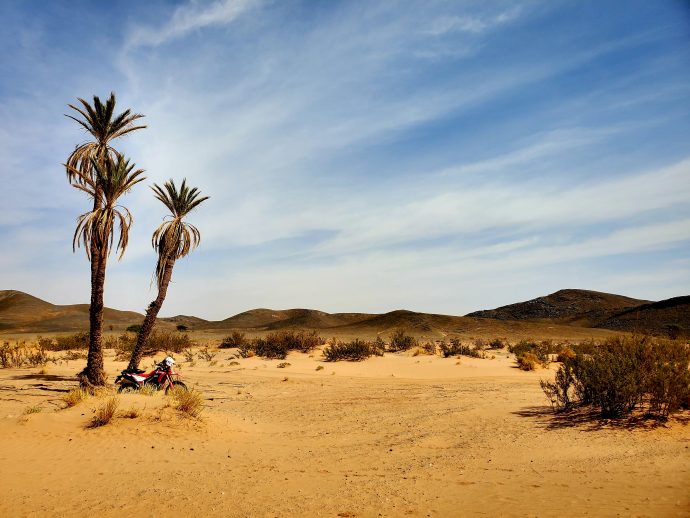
{"points": [[277, 345], [181, 327], [134, 328], [75, 396], [158, 341], [624, 374], [22, 355], [355, 350], [497, 343], [456, 348], [35, 409], [527, 361], [188, 402], [132, 413], [282, 365], [206, 354], [236, 339], [401, 341], [105, 413]]}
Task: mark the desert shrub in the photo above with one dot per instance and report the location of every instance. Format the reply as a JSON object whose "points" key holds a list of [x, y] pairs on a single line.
{"points": [[674, 331], [12, 356], [566, 354], [73, 341], [268, 348], [205, 354], [282, 365], [497, 343], [181, 327], [479, 344], [527, 361], [356, 350], [541, 350], [456, 348], [189, 402], [429, 348], [36, 357], [132, 413], [73, 355], [36, 409], [135, 328], [158, 341], [277, 345], [74, 397], [401, 342], [45, 343], [236, 339], [105, 413], [319, 367], [625, 373], [378, 342]]}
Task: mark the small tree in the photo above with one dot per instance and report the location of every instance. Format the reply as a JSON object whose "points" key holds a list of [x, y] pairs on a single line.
{"points": [[173, 239]]}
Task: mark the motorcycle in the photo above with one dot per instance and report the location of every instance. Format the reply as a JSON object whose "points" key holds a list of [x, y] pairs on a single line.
{"points": [[132, 380]]}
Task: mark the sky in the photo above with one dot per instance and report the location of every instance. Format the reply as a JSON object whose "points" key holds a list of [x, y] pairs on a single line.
{"points": [[359, 156]]}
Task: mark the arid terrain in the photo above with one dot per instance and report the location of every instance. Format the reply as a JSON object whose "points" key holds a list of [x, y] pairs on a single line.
{"points": [[404, 434], [399, 435]]}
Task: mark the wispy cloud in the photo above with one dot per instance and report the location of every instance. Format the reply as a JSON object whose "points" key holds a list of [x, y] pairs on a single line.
{"points": [[188, 18]]}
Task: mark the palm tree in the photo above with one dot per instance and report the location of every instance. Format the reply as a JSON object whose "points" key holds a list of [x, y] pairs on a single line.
{"points": [[104, 182], [172, 240], [101, 123]]}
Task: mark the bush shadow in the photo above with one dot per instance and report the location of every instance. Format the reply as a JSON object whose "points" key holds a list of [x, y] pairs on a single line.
{"points": [[589, 420]]}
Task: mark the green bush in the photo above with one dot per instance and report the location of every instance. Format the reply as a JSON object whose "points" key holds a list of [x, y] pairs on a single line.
{"points": [[401, 342], [541, 350], [134, 328], [356, 350], [624, 374]]}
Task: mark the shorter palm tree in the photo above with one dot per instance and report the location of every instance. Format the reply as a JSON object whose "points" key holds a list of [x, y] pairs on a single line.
{"points": [[172, 240], [96, 231]]}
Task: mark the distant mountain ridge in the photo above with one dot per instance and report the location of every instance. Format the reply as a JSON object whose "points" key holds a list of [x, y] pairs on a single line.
{"points": [[570, 308]]}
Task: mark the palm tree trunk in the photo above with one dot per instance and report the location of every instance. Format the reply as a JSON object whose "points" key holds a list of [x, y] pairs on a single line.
{"points": [[151, 314], [94, 374]]}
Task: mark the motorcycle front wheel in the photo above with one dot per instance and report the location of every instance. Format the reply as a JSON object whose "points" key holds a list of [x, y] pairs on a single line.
{"points": [[177, 385], [126, 388]]}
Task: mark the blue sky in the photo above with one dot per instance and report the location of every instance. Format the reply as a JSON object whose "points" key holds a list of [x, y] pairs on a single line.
{"points": [[360, 156]]}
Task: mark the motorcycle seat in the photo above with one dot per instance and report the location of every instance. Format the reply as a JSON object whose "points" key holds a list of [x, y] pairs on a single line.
{"points": [[134, 371]]}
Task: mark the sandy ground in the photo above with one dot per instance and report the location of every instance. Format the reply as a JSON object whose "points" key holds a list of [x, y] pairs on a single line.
{"points": [[392, 436]]}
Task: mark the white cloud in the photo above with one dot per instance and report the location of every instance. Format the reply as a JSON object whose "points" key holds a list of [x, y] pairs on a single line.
{"points": [[188, 18]]}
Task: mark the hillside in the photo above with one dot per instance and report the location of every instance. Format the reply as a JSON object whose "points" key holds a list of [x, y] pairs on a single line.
{"points": [[21, 312], [655, 317], [576, 307]]}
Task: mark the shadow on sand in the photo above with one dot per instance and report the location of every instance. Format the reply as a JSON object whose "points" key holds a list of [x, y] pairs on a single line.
{"points": [[43, 377], [589, 420]]}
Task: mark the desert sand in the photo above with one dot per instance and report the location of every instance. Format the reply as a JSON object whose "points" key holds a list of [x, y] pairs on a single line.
{"points": [[399, 435]]}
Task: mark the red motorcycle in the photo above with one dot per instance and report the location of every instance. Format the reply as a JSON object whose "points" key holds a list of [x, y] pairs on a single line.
{"points": [[132, 380]]}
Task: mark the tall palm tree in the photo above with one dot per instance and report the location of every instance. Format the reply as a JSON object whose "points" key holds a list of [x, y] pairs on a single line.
{"points": [[104, 182], [172, 240], [104, 126]]}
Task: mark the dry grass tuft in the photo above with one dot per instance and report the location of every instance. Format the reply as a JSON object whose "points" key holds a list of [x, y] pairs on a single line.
{"points": [[105, 412], [36, 409], [282, 365], [75, 396], [190, 403], [148, 389], [320, 367], [132, 413]]}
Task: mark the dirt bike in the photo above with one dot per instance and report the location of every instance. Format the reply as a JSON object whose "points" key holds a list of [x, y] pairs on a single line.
{"points": [[132, 380]]}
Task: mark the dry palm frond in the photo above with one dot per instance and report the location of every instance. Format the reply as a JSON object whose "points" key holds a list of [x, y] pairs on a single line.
{"points": [[104, 127], [174, 239], [108, 183]]}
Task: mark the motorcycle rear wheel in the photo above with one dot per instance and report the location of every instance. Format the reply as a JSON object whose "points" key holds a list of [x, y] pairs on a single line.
{"points": [[177, 385], [126, 388]]}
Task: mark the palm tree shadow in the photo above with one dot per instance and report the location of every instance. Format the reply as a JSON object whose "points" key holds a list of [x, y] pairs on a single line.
{"points": [[589, 420], [43, 377]]}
